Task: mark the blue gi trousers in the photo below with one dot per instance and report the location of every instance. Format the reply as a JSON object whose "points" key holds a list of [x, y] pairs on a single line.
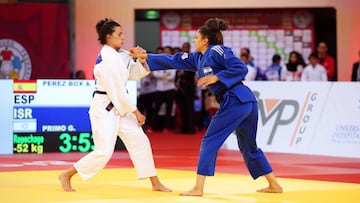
{"points": [[233, 115]]}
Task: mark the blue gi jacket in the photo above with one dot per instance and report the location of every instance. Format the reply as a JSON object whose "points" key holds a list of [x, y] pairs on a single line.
{"points": [[218, 60]]}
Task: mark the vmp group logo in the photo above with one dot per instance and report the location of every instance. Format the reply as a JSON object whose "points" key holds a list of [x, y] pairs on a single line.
{"points": [[15, 62], [288, 118]]}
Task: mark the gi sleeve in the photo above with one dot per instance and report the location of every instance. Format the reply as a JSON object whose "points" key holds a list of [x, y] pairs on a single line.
{"points": [[181, 60], [234, 69], [138, 70]]}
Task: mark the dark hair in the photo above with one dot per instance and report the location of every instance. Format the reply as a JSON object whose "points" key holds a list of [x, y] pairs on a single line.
{"points": [[299, 57], [246, 49], [105, 27], [212, 30], [313, 55], [291, 66], [276, 58]]}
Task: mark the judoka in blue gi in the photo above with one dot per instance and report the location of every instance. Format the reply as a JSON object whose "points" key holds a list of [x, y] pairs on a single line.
{"points": [[220, 70]]}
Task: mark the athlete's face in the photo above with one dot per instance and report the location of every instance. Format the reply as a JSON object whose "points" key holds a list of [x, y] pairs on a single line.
{"points": [[200, 42], [116, 39]]}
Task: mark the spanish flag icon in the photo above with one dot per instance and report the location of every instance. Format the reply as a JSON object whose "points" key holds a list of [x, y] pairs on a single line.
{"points": [[24, 86]]}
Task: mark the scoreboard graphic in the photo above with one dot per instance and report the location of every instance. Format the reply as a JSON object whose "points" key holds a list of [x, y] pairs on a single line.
{"points": [[50, 116]]}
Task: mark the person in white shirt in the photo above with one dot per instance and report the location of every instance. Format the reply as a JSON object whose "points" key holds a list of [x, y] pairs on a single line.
{"points": [[314, 71], [112, 112]]}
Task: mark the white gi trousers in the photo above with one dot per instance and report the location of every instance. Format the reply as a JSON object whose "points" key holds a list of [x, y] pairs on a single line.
{"points": [[106, 126]]}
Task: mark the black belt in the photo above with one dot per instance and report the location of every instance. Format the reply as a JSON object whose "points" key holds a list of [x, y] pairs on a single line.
{"points": [[110, 105], [99, 92], [219, 94]]}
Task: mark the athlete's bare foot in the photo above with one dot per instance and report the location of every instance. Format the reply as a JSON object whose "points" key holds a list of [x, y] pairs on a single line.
{"points": [[160, 187], [192, 192], [272, 189], [65, 182]]}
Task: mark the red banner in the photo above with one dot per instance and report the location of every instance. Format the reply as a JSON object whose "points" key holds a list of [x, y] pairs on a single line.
{"points": [[34, 41]]}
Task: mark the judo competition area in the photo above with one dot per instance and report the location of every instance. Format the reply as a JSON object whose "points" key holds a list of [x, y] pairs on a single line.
{"points": [[33, 178], [310, 138]]}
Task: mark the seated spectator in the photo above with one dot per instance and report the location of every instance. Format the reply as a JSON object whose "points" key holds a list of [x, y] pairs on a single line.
{"points": [[273, 72], [314, 71], [355, 76], [293, 69]]}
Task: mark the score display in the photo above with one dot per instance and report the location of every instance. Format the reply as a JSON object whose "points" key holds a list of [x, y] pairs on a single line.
{"points": [[56, 142], [52, 116]]}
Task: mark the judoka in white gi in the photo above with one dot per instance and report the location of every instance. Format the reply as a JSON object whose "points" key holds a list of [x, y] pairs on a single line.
{"points": [[112, 113]]}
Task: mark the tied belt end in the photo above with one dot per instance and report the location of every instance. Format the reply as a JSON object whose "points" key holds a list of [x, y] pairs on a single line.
{"points": [[110, 105]]}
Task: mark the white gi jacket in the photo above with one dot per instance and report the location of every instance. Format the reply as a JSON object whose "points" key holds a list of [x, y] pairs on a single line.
{"points": [[111, 75]]}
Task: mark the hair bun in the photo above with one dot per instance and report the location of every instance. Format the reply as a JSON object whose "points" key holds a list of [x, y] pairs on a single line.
{"points": [[100, 24], [216, 24]]}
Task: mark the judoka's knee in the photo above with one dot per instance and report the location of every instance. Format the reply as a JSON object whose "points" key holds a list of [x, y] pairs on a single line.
{"points": [[104, 154]]}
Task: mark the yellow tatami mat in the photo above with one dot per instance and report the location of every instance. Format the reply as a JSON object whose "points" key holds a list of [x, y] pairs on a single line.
{"points": [[121, 185]]}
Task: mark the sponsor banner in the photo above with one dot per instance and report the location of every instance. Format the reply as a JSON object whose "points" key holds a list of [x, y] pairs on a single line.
{"points": [[288, 114], [307, 118], [338, 132]]}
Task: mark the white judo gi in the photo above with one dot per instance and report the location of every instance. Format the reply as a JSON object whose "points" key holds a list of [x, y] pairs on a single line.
{"points": [[111, 71]]}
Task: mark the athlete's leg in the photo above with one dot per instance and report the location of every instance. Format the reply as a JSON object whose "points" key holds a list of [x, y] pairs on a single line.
{"points": [[224, 122], [139, 149], [253, 156], [104, 136]]}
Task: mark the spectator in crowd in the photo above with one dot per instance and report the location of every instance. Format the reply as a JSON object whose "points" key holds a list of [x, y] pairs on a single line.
{"points": [[293, 69], [314, 71], [176, 50], [159, 50], [251, 74], [326, 60], [355, 76], [185, 96], [146, 98], [80, 74], [246, 50], [147, 92], [273, 72], [165, 92]]}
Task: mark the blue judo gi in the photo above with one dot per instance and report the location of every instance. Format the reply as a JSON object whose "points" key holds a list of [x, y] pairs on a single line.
{"points": [[238, 109]]}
